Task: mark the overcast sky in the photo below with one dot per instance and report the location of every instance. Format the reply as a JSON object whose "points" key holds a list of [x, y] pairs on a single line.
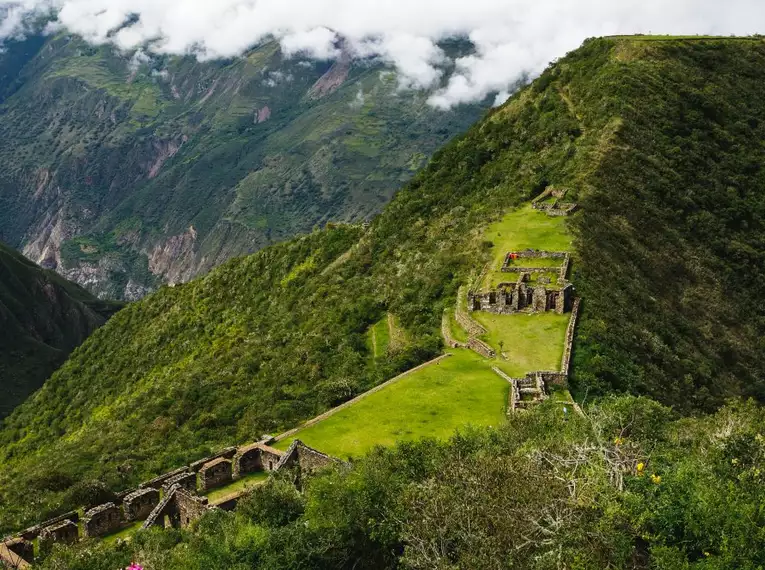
{"points": [[512, 37]]}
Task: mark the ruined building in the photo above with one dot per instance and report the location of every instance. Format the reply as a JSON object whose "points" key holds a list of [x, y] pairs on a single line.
{"points": [[533, 289]]}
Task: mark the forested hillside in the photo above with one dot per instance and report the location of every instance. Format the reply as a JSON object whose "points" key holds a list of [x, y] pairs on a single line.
{"points": [[43, 318], [653, 139], [123, 170]]}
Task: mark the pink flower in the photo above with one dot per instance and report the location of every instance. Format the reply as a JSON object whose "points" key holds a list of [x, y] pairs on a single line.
{"points": [[134, 566]]}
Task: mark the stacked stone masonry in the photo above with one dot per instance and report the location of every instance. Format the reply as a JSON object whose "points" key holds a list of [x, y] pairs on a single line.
{"points": [[481, 348], [65, 532], [186, 480], [308, 459], [102, 520], [178, 508], [551, 201], [216, 473], [256, 457], [139, 504], [565, 366], [520, 295]]}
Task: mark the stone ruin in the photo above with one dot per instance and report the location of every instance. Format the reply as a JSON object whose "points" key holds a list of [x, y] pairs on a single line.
{"points": [[140, 503], [16, 553], [186, 480], [102, 520], [178, 508], [520, 295], [307, 459], [216, 473], [552, 202], [256, 457], [65, 532]]}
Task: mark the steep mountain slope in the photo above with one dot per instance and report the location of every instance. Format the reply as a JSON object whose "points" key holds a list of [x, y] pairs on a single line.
{"points": [[654, 139], [123, 172], [43, 318]]}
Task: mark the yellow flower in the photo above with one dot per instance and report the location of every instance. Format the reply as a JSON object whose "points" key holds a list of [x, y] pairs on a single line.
{"points": [[640, 467], [707, 553], [618, 441], [656, 479]]}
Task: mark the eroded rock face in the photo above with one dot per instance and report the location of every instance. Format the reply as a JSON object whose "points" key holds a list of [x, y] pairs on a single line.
{"points": [[332, 79], [173, 260]]}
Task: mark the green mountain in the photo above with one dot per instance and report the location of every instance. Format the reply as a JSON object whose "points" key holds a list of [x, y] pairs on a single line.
{"points": [[654, 140], [122, 172], [43, 317]]}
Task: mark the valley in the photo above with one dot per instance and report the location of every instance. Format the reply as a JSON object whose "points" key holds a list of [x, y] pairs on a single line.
{"points": [[123, 173]]}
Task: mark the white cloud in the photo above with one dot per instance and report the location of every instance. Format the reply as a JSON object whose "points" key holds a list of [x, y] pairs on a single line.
{"points": [[512, 37]]}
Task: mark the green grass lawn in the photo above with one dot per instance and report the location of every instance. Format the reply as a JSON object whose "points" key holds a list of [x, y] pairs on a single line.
{"points": [[530, 341], [432, 402], [249, 480], [123, 533], [524, 228]]}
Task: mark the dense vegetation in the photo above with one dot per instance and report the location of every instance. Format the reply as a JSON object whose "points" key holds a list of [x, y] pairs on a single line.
{"points": [[625, 487], [268, 340], [109, 158], [43, 318]]}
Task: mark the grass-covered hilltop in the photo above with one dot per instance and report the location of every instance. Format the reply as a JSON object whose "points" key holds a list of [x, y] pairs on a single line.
{"points": [[43, 317], [658, 142]]}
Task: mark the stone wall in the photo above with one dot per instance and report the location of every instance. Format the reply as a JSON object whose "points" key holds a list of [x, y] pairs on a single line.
{"points": [[101, 520], [270, 457], [217, 473], [34, 531], [228, 453], [481, 348], [446, 332], [511, 298], [159, 481], [64, 532], [190, 507], [306, 458], [565, 365], [563, 272], [186, 480], [16, 553], [139, 504], [471, 326]]}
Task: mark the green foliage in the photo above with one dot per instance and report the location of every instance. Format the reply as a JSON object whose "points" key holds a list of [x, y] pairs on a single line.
{"points": [[542, 492]]}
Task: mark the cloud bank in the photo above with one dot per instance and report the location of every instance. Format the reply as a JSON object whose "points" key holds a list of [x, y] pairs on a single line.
{"points": [[512, 38]]}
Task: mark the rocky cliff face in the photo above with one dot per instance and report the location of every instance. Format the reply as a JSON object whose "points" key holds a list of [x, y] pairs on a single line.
{"points": [[110, 162]]}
